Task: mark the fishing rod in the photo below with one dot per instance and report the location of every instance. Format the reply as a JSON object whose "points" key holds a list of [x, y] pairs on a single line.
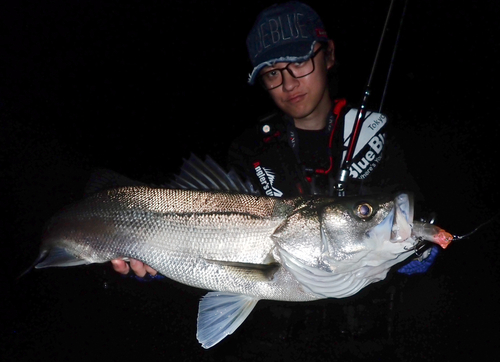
{"points": [[391, 64], [343, 174]]}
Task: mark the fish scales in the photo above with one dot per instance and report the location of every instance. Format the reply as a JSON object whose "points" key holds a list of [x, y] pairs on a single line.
{"points": [[184, 235]]}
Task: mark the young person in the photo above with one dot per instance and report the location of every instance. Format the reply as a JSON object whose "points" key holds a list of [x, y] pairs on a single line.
{"points": [[299, 149]]}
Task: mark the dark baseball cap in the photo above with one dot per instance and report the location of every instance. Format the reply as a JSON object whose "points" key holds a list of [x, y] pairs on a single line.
{"points": [[284, 33]]}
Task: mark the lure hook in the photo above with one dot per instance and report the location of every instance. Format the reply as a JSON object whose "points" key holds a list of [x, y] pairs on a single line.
{"points": [[420, 246]]}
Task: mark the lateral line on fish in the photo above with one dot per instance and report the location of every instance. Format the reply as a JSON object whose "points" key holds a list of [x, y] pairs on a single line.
{"points": [[214, 213]]}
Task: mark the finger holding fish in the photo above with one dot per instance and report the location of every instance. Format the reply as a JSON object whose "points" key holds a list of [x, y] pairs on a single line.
{"points": [[136, 266], [120, 266]]}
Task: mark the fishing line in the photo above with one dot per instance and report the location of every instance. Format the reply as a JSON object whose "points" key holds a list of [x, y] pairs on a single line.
{"points": [[458, 237]]}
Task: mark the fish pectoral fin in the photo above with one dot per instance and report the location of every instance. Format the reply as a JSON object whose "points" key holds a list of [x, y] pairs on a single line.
{"points": [[59, 257], [220, 314], [255, 272]]}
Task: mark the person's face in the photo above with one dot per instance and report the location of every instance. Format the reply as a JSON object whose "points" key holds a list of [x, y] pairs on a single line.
{"points": [[302, 97]]}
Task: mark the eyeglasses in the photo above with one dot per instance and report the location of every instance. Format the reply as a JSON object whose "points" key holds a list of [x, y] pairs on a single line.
{"points": [[274, 78]]}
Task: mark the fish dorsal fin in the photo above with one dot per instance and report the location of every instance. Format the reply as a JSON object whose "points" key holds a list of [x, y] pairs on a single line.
{"points": [[208, 175], [220, 314]]}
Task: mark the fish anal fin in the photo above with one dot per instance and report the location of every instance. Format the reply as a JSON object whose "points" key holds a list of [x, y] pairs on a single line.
{"points": [[59, 257], [220, 314]]}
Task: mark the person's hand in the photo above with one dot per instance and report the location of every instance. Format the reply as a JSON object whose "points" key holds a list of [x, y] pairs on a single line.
{"points": [[138, 267]]}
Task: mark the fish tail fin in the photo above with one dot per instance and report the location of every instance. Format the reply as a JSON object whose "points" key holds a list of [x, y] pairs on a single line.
{"points": [[58, 256], [43, 254], [55, 256], [220, 314]]}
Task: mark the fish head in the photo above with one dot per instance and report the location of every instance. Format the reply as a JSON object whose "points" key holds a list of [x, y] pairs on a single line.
{"points": [[348, 225], [354, 226], [322, 233], [335, 247]]}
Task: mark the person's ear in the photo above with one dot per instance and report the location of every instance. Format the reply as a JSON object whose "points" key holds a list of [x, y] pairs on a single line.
{"points": [[330, 54]]}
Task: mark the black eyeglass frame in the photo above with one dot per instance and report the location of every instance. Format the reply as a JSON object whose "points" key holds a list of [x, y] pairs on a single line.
{"points": [[322, 47]]}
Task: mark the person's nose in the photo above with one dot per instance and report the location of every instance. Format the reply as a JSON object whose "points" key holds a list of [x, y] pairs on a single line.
{"points": [[289, 81]]}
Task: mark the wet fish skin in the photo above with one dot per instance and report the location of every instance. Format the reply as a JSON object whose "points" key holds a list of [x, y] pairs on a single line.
{"points": [[242, 247], [209, 240]]}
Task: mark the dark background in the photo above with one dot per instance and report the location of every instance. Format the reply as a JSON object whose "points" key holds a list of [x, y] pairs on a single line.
{"points": [[135, 86]]}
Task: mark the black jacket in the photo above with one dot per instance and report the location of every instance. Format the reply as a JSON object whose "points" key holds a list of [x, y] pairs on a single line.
{"points": [[284, 161]]}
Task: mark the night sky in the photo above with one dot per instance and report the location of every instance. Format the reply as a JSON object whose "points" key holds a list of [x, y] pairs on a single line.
{"points": [[135, 86]]}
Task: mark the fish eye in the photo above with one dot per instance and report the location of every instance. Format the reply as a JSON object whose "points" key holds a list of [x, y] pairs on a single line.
{"points": [[363, 210]]}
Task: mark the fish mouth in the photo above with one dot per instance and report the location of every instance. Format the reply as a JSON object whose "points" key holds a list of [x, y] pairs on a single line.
{"points": [[401, 218], [397, 225]]}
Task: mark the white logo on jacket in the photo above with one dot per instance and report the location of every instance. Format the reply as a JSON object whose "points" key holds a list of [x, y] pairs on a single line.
{"points": [[266, 178], [368, 152]]}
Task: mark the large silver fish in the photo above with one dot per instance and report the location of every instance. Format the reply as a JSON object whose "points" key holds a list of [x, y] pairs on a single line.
{"points": [[241, 247]]}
